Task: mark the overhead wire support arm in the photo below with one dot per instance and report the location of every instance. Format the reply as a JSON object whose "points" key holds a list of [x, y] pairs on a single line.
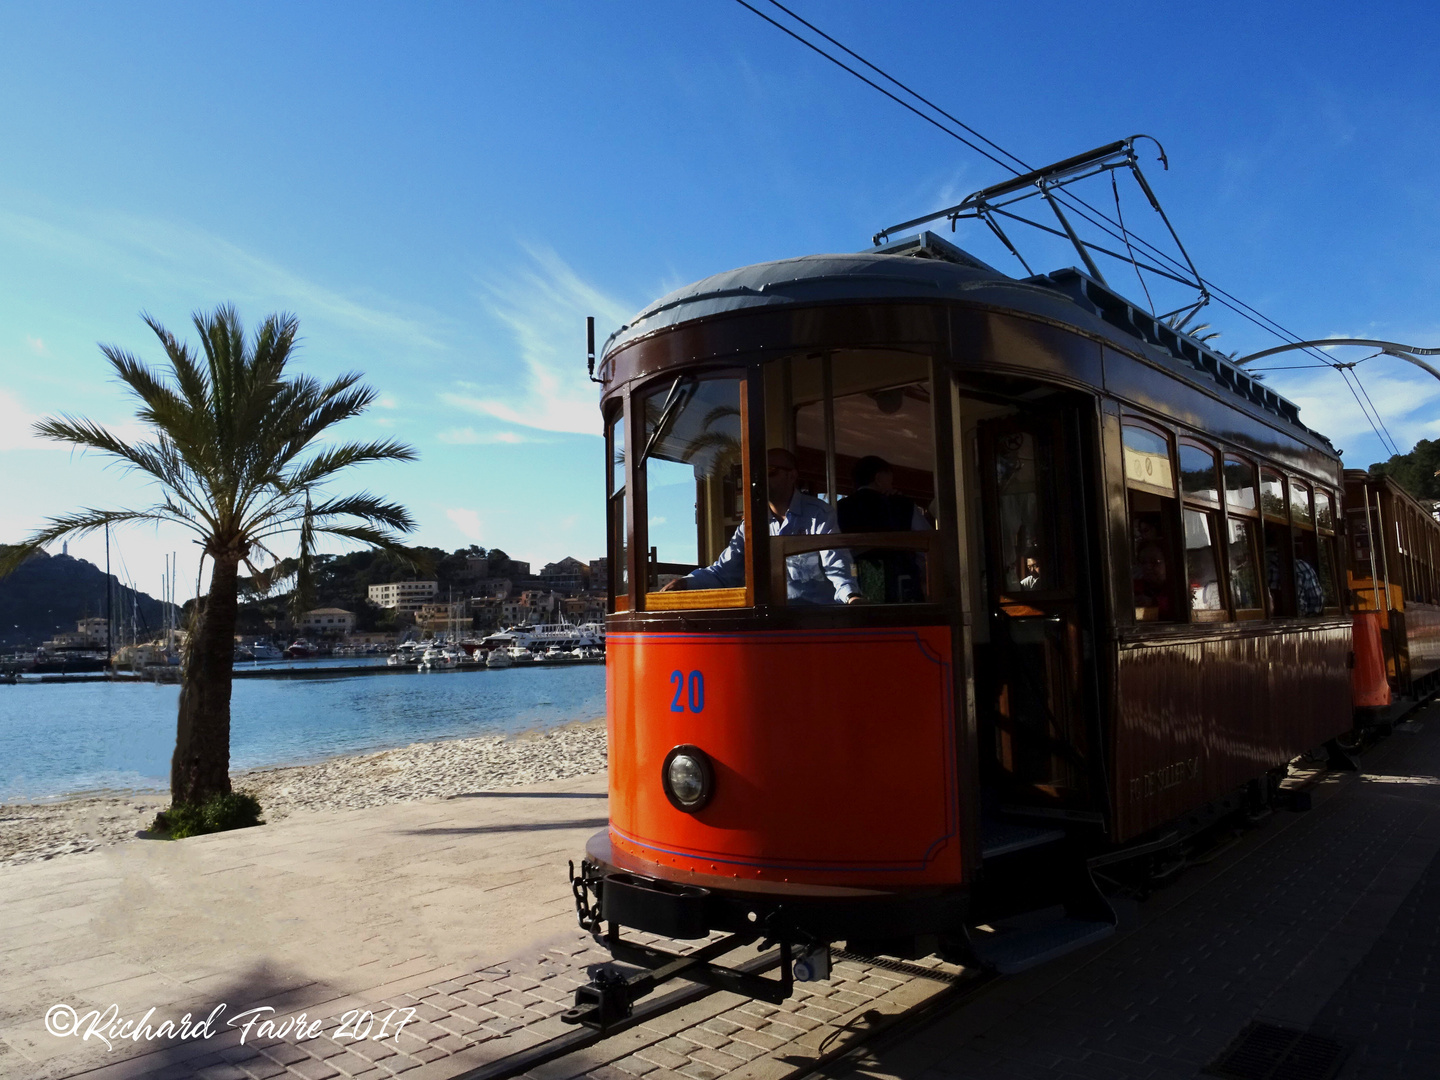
{"points": [[1408, 353], [1070, 232], [1049, 183]]}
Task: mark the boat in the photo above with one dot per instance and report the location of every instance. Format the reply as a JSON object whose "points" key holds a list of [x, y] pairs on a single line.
{"points": [[406, 654], [299, 649], [264, 650], [440, 656], [499, 658]]}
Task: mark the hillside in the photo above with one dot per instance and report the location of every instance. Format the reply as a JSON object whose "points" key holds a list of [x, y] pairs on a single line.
{"points": [[1415, 471], [49, 593]]}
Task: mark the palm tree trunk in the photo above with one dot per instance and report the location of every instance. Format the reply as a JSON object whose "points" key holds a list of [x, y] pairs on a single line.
{"points": [[201, 765]]}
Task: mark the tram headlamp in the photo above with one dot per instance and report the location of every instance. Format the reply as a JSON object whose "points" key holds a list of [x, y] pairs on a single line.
{"points": [[687, 778]]}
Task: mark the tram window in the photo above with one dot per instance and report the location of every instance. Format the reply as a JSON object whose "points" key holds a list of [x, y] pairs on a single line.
{"points": [[1244, 556], [1197, 473], [1300, 511], [1147, 458], [1279, 572], [862, 434], [1272, 496], [1239, 485], [619, 565], [1202, 574], [1310, 586], [691, 459], [1328, 566], [1017, 485], [1279, 555], [1155, 569]]}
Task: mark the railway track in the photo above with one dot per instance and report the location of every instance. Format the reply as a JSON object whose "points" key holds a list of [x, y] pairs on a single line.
{"points": [[864, 1031]]}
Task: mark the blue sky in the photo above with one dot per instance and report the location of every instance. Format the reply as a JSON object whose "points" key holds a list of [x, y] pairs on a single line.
{"points": [[442, 192]]}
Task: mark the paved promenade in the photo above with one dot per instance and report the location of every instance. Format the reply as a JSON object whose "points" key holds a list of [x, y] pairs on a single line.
{"points": [[1324, 922]]}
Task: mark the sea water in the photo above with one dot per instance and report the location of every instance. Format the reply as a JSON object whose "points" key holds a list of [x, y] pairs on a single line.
{"points": [[63, 738]]}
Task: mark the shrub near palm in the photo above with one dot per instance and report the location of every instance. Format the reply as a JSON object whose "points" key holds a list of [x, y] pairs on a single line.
{"points": [[235, 453]]}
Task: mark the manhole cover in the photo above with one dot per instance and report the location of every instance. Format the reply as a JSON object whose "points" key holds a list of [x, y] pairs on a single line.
{"points": [[1267, 1052]]}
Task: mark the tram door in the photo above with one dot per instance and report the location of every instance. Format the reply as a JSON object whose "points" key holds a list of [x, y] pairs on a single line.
{"points": [[1030, 685]]}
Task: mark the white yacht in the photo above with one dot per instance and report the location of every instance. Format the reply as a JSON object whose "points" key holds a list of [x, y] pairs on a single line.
{"points": [[499, 658], [405, 654]]}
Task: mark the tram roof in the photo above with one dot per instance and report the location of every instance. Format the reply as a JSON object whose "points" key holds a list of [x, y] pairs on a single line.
{"points": [[927, 267]]}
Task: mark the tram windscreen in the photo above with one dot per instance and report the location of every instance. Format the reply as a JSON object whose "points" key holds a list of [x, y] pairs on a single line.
{"points": [[691, 459]]}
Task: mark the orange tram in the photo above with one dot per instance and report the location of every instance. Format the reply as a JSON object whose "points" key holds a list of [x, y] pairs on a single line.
{"points": [[1087, 604], [1395, 596]]}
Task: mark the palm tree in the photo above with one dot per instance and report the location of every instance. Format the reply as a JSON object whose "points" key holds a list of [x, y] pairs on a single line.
{"points": [[236, 455]]}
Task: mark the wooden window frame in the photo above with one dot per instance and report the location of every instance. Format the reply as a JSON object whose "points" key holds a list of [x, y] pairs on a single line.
{"points": [[1176, 554], [1214, 513], [938, 576], [1327, 541], [1256, 519], [687, 599], [618, 568]]}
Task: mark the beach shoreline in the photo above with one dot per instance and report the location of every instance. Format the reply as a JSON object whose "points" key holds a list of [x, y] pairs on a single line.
{"points": [[88, 821]]}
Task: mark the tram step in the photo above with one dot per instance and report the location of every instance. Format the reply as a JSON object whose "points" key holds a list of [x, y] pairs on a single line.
{"points": [[1004, 837], [1012, 951]]}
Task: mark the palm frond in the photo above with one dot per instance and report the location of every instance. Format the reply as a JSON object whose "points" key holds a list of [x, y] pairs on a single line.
{"points": [[368, 507], [332, 459]]}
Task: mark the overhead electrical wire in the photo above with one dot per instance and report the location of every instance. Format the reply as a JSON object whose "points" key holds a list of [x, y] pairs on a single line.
{"points": [[1080, 206]]}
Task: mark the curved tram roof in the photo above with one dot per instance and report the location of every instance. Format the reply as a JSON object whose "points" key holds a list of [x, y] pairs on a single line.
{"points": [[928, 268]]}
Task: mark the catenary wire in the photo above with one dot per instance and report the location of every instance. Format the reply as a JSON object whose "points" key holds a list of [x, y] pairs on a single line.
{"points": [[1394, 448], [1226, 299]]}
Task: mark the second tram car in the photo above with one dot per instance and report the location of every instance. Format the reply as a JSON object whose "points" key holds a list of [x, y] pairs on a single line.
{"points": [[1090, 600], [1395, 595]]}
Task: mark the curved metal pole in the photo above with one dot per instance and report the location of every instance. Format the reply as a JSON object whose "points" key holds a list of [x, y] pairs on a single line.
{"points": [[1389, 348]]}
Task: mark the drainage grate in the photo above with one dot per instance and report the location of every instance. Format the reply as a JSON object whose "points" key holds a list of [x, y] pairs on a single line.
{"points": [[900, 967], [1267, 1052]]}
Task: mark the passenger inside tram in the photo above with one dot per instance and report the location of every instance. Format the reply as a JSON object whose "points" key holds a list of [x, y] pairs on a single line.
{"points": [[875, 506], [818, 577], [1152, 582]]}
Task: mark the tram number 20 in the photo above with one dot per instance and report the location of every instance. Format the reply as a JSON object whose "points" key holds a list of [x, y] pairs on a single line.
{"points": [[688, 690]]}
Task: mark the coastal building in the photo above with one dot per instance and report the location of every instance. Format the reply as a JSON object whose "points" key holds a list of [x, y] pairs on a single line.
{"points": [[444, 616], [88, 634], [406, 597], [327, 620], [569, 575]]}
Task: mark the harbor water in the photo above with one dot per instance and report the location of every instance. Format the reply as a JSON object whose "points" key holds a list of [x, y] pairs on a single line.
{"points": [[102, 735]]}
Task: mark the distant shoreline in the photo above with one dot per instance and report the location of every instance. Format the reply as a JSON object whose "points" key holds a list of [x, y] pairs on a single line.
{"points": [[90, 820]]}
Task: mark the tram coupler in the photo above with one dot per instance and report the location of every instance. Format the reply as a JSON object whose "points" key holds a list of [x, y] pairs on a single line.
{"points": [[1337, 760], [610, 996]]}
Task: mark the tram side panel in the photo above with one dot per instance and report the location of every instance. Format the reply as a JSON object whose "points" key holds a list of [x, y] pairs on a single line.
{"points": [[833, 753], [1422, 640], [1197, 720]]}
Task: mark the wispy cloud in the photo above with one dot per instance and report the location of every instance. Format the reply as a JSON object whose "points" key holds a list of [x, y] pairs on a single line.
{"points": [[179, 258], [15, 425], [37, 345], [467, 521], [468, 436], [544, 307], [1403, 399]]}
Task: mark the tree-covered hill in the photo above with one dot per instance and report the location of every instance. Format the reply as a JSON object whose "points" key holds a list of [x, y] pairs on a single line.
{"points": [[50, 593], [1415, 471], [344, 581]]}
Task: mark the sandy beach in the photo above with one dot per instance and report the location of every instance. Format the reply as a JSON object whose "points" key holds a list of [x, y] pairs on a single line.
{"points": [[36, 831]]}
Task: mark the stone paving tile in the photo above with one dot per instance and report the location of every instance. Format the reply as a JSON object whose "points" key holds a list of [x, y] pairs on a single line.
{"points": [[1157, 1003]]}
